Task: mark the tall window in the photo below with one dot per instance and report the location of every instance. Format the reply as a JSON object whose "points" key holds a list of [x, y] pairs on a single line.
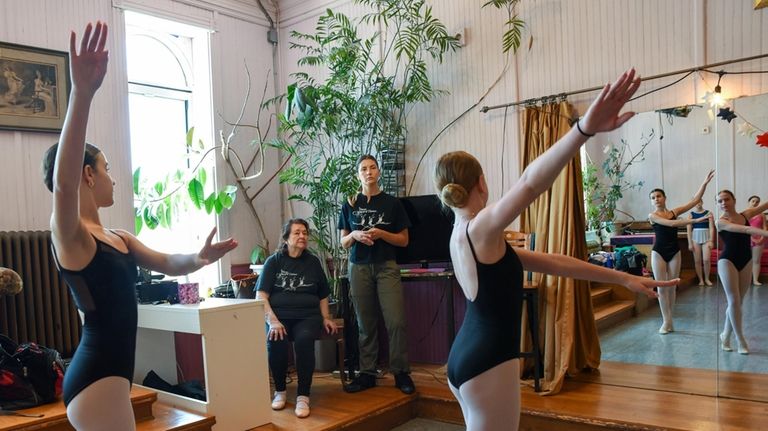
{"points": [[169, 92]]}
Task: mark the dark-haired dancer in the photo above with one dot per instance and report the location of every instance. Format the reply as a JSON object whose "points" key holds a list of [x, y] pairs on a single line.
{"points": [[483, 366], [665, 256], [99, 264], [734, 264]]}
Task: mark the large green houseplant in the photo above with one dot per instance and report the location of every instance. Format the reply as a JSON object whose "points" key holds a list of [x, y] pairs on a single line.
{"points": [[359, 107]]}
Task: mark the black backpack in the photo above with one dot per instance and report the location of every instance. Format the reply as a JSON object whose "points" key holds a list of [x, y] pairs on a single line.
{"points": [[30, 374], [629, 259]]}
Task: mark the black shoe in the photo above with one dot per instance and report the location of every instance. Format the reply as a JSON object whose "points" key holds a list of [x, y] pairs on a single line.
{"points": [[404, 383], [361, 383]]}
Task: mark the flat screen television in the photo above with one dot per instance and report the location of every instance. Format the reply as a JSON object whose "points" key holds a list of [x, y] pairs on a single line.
{"points": [[430, 231]]}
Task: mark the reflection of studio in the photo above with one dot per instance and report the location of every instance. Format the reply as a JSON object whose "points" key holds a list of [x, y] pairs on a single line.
{"points": [[382, 214]]}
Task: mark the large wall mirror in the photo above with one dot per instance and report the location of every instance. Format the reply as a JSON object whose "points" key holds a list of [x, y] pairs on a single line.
{"points": [[683, 144], [674, 150]]}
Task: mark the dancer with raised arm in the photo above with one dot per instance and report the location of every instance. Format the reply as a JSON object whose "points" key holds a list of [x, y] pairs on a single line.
{"points": [[734, 264], [483, 366], [99, 264], [665, 256]]}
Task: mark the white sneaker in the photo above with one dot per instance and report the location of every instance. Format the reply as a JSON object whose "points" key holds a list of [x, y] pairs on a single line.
{"points": [[302, 406], [278, 402]]}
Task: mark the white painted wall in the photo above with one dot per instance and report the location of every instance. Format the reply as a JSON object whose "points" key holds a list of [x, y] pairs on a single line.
{"points": [[575, 44], [568, 45]]}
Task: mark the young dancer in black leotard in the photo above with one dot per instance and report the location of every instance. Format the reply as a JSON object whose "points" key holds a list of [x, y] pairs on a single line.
{"points": [[665, 256], [99, 264], [483, 370], [733, 265]]}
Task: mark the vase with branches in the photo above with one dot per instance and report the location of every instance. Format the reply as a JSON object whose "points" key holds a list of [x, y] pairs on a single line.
{"points": [[604, 188]]}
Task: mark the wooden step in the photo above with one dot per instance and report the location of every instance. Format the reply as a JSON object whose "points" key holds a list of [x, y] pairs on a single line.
{"points": [[601, 295], [149, 415], [167, 418], [613, 312]]}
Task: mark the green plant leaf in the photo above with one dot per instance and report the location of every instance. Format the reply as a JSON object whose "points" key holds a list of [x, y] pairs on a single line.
{"points": [[202, 176], [138, 223], [225, 200], [136, 180], [209, 203], [190, 137], [195, 189]]}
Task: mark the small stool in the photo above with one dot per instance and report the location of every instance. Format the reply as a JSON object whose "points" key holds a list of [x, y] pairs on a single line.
{"points": [[531, 298], [339, 338]]}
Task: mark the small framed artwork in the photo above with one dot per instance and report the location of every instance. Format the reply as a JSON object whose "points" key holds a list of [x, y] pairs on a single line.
{"points": [[759, 4], [34, 88]]}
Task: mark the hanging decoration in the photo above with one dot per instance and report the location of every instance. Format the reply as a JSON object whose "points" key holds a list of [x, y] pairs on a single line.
{"points": [[746, 129], [726, 114], [762, 140]]}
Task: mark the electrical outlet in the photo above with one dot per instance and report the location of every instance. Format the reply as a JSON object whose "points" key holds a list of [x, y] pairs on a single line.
{"points": [[461, 35], [705, 130]]}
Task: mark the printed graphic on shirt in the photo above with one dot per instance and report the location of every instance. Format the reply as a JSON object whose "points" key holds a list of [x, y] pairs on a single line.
{"points": [[289, 281], [367, 219]]}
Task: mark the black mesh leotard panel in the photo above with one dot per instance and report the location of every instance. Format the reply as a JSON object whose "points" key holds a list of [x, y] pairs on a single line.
{"points": [[666, 240], [736, 247], [105, 291], [490, 334]]}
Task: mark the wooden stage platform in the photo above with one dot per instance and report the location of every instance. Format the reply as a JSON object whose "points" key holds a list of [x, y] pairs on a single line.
{"points": [[595, 402], [591, 402]]}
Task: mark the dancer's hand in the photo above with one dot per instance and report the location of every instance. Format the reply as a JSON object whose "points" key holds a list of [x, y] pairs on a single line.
{"points": [[89, 67], [645, 285], [330, 326], [603, 113], [212, 252]]}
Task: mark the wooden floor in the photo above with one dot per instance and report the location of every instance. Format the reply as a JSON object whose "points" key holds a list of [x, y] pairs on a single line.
{"points": [[591, 402], [585, 404]]}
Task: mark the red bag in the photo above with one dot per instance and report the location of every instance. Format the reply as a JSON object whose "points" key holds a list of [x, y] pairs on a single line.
{"points": [[30, 374]]}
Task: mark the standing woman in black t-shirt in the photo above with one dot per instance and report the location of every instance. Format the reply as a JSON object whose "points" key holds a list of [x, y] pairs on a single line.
{"points": [[372, 224], [295, 294]]}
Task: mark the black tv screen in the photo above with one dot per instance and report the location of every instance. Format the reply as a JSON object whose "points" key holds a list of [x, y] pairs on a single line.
{"points": [[430, 232]]}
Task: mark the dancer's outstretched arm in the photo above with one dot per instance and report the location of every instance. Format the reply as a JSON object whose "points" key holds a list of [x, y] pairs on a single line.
{"points": [[697, 197], [602, 116], [87, 68], [566, 266]]}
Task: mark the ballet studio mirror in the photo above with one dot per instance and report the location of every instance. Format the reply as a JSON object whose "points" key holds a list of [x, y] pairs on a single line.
{"points": [[679, 146]]}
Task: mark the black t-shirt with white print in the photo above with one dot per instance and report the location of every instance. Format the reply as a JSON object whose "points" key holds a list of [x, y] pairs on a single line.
{"points": [[383, 212], [295, 285]]}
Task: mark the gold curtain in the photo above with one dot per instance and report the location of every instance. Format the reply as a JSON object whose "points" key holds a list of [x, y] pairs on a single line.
{"points": [[566, 323]]}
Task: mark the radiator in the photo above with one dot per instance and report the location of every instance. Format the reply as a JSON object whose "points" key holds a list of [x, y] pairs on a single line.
{"points": [[44, 311]]}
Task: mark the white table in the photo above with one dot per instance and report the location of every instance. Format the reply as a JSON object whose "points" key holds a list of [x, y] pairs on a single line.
{"points": [[234, 357]]}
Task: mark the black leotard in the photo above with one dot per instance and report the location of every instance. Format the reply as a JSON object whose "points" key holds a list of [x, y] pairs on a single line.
{"points": [[736, 247], [490, 334], [666, 240], [105, 290]]}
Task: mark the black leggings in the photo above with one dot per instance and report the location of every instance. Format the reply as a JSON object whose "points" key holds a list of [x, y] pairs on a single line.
{"points": [[303, 333]]}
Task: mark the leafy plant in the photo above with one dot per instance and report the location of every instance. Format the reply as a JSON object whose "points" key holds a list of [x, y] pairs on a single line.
{"points": [[157, 203], [360, 107], [513, 27], [602, 195]]}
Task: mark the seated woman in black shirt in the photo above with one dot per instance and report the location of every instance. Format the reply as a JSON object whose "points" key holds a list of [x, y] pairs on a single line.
{"points": [[295, 291]]}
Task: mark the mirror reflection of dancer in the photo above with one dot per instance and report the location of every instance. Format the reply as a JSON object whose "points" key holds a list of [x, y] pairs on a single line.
{"points": [[483, 366], [700, 242], [99, 264], [733, 265], [757, 242], [665, 256]]}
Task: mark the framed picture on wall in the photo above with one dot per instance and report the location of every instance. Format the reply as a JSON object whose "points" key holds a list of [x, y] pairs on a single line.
{"points": [[34, 88]]}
